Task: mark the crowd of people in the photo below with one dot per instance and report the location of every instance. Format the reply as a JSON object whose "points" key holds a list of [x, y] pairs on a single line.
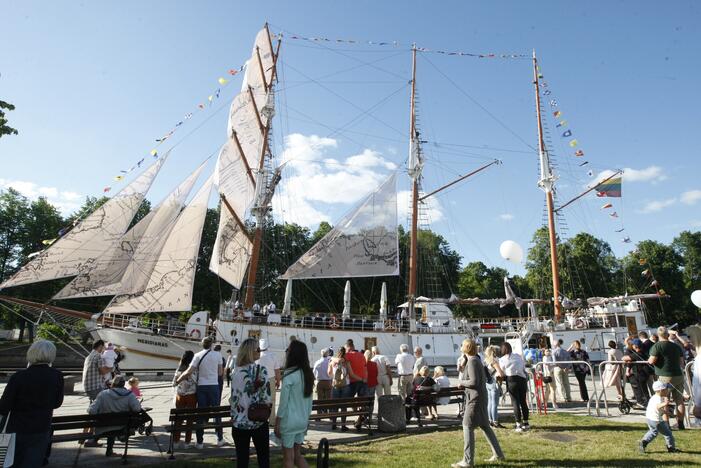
{"points": [[652, 364]]}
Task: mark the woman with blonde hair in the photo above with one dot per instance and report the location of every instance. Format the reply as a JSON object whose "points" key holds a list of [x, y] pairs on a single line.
{"points": [[548, 380], [249, 386], [423, 386], [491, 356], [473, 380], [444, 382]]}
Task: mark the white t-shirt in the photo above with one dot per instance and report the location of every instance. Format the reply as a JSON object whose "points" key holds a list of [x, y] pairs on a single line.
{"points": [[382, 364], [108, 357], [208, 368], [512, 365], [444, 382], [270, 362], [653, 413], [405, 363]]}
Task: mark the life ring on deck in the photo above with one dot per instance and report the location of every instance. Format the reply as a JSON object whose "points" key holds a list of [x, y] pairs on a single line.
{"points": [[196, 334], [579, 323], [333, 323], [390, 325]]}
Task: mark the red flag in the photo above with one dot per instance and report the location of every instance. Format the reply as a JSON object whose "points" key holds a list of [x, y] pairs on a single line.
{"points": [[106, 189]]}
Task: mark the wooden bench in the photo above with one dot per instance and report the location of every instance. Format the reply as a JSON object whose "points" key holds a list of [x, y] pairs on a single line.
{"points": [[345, 407], [456, 395], [83, 425], [184, 419]]}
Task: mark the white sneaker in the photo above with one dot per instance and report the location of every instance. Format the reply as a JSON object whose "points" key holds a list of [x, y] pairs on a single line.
{"points": [[459, 464], [221, 442], [518, 428], [495, 459], [199, 446]]}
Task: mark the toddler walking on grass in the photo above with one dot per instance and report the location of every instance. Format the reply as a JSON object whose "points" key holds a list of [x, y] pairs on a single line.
{"points": [[657, 416]]}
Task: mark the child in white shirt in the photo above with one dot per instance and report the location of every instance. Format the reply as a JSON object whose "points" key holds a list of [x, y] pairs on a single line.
{"points": [[108, 358], [657, 416]]}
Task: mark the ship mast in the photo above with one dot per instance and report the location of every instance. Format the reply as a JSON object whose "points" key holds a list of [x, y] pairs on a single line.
{"points": [[546, 183], [260, 211], [415, 174]]}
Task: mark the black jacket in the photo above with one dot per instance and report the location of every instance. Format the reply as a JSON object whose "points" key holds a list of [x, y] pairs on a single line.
{"points": [[30, 397]]}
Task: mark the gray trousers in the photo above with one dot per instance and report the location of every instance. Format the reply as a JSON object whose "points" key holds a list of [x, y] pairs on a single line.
{"points": [[468, 433], [404, 385]]}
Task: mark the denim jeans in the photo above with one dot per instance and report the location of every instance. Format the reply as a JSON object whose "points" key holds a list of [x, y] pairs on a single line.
{"points": [[493, 393], [658, 427], [343, 392], [208, 396]]}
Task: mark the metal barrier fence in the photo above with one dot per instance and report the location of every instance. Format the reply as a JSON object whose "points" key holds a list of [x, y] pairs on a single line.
{"points": [[602, 395], [690, 386], [593, 380]]}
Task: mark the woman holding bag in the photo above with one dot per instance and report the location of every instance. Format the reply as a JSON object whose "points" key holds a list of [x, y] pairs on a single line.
{"points": [[250, 394], [295, 405]]}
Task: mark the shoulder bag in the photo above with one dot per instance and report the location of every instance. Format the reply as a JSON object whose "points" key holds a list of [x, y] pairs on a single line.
{"points": [[7, 445], [197, 379], [258, 412]]}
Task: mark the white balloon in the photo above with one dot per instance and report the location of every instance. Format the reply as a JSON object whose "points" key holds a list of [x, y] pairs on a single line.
{"points": [[696, 298], [511, 251]]}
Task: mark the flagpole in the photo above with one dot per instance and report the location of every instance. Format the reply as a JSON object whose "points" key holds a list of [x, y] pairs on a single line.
{"points": [[413, 249], [546, 182]]}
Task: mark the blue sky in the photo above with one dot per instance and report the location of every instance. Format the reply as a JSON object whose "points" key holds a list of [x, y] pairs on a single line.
{"points": [[96, 83]]}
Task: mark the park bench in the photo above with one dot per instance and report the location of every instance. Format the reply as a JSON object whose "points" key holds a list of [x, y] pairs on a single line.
{"points": [[339, 407], [184, 419], [456, 395], [81, 427]]}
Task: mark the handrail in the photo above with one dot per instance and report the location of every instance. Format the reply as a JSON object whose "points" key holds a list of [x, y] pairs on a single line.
{"points": [[603, 386], [593, 380]]}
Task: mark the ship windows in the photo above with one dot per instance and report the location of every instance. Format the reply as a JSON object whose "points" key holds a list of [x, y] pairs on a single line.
{"points": [[313, 339], [428, 346]]}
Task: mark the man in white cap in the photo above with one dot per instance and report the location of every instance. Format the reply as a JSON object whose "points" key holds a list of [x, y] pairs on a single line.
{"points": [[271, 362]]}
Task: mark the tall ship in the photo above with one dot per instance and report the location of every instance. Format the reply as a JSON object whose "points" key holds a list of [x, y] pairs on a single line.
{"points": [[148, 267]]}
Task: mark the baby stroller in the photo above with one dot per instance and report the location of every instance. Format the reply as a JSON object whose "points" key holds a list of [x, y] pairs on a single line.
{"points": [[624, 406]]}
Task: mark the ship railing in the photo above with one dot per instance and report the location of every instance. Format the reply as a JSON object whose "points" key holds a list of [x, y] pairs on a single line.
{"points": [[602, 394], [143, 324], [593, 381]]}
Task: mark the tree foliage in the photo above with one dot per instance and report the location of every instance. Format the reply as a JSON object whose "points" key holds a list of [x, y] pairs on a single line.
{"points": [[5, 129]]}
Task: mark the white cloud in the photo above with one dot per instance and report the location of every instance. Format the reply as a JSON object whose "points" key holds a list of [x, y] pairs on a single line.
{"points": [[649, 174], [65, 201], [315, 184], [690, 197], [506, 216], [432, 207], [657, 205]]}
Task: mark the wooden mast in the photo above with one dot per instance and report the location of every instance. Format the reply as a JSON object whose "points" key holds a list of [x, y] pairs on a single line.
{"points": [[546, 183], [413, 234], [258, 234]]}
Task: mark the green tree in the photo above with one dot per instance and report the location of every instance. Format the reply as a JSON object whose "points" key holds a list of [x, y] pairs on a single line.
{"points": [[44, 223], [90, 205], [688, 246], [589, 266], [5, 129], [655, 261], [479, 280], [14, 209]]}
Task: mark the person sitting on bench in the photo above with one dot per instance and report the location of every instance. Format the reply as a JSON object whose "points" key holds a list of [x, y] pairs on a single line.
{"points": [[114, 400]]}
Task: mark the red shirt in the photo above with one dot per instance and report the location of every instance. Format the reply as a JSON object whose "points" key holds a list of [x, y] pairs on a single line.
{"points": [[357, 363], [372, 374]]}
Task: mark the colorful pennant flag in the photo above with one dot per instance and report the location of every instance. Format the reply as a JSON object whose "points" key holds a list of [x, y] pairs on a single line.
{"points": [[222, 81], [626, 240], [563, 123], [579, 153], [645, 272], [567, 133], [661, 292], [118, 178], [154, 153], [610, 188], [620, 230], [613, 215], [642, 261], [574, 143], [106, 189], [608, 205], [654, 283], [49, 241], [557, 114], [584, 163]]}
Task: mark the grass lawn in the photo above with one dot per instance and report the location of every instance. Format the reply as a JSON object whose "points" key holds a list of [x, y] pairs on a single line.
{"points": [[555, 441]]}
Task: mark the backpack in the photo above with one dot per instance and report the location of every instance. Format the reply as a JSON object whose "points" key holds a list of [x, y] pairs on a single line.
{"points": [[489, 376], [340, 376]]}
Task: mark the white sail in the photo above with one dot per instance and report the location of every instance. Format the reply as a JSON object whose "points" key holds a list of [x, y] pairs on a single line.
{"points": [[287, 305], [383, 302], [233, 179], [171, 282], [109, 269], [347, 300], [91, 238], [128, 268], [232, 250], [364, 243]]}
